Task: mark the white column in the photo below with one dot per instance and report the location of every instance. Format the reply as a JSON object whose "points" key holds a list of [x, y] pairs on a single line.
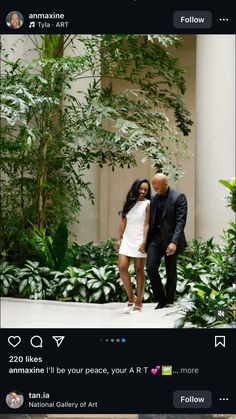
{"points": [[87, 227], [215, 131]]}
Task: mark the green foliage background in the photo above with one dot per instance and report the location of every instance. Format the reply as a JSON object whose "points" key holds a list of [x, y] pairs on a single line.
{"points": [[51, 134]]}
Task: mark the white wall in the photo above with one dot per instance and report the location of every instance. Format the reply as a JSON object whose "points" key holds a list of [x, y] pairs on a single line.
{"points": [[87, 229], [215, 131]]}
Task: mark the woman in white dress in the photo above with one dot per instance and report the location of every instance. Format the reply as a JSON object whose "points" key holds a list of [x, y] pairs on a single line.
{"points": [[132, 238]]}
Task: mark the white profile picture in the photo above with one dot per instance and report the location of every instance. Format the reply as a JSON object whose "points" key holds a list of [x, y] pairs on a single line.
{"points": [[14, 20], [14, 399]]}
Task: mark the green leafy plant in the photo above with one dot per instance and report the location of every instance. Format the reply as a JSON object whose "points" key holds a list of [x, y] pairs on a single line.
{"points": [[34, 281], [8, 279], [71, 285], [194, 264], [51, 250], [230, 237], [222, 268], [199, 309], [101, 283], [231, 186], [93, 254], [210, 284]]}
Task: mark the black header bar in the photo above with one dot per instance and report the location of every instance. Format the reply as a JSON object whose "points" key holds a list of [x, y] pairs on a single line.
{"points": [[128, 16]]}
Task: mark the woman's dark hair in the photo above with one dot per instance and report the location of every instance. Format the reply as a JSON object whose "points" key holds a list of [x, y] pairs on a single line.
{"points": [[15, 13], [132, 196]]}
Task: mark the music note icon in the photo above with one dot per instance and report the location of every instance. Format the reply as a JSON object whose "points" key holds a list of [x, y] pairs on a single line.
{"points": [[32, 25]]}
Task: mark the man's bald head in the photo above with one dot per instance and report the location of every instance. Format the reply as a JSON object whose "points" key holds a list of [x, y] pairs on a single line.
{"points": [[160, 183]]}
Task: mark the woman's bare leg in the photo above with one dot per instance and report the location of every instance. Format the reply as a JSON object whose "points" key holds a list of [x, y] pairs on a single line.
{"points": [[123, 265], [139, 264]]}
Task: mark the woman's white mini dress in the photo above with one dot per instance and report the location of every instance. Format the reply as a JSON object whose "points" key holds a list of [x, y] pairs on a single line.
{"points": [[133, 234]]}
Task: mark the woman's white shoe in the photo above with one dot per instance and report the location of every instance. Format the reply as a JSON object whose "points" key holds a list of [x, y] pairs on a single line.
{"points": [[136, 309], [129, 308]]}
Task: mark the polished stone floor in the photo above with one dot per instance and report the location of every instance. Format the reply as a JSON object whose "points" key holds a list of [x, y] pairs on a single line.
{"points": [[23, 313]]}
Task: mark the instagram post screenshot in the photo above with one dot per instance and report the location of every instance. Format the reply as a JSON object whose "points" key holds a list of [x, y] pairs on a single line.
{"points": [[117, 210]]}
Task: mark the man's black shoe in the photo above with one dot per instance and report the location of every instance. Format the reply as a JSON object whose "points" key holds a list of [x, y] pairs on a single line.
{"points": [[160, 305]]}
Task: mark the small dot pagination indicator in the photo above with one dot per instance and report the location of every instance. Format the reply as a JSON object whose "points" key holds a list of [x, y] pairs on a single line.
{"points": [[115, 340]]}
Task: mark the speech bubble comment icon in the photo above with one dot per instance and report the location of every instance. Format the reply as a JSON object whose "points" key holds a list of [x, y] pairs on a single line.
{"points": [[36, 341]]}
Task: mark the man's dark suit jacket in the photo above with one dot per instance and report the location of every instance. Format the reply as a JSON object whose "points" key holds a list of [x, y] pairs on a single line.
{"points": [[173, 220]]}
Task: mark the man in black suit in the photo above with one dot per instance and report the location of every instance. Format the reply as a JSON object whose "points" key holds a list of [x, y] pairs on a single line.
{"points": [[165, 238]]}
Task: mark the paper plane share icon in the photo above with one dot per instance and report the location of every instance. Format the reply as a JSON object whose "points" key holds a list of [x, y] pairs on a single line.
{"points": [[58, 340]]}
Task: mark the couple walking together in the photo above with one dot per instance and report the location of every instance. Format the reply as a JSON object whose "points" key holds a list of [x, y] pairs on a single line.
{"points": [[151, 228]]}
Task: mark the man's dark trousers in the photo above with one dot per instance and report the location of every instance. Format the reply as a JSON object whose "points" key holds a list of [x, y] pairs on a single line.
{"points": [[156, 251], [167, 221]]}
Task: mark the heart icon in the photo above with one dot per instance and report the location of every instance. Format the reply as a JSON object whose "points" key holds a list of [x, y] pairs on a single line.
{"points": [[14, 341], [154, 371], [158, 367]]}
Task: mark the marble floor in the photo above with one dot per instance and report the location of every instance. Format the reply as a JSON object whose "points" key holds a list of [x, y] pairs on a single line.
{"points": [[23, 313]]}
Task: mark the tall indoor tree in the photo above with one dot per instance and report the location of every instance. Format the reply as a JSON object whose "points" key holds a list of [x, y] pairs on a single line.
{"points": [[51, 135]]}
